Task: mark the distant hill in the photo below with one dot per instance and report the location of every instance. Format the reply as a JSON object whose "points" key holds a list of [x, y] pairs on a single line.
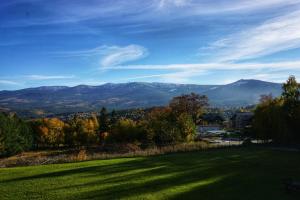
{"points": [[61, 99], [242, 92]]}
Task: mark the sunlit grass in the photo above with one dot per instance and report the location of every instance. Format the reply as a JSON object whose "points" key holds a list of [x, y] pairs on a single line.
{"points": [[213, 174]]}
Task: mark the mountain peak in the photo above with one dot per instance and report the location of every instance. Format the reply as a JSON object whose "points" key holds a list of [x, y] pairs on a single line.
{"points": [[249, 81], [241, 82]]}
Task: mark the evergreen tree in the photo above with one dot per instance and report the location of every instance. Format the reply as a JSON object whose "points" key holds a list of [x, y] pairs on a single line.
{"points": [[291, 90], [103, 120], [291, 106], [278, 119], [113, 117], [15, 135]]}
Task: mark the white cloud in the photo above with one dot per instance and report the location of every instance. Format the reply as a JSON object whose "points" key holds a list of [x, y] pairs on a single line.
{"points": [[173, 77], [247, 5], [184, 73], [184, 8], [177, 3], [182, 76], [279, 34], [143, 77], [90, 82], [8, 82], [276, 77], [215, 66], [44, 77], [116, 55], [110, 55], [136, 10]]}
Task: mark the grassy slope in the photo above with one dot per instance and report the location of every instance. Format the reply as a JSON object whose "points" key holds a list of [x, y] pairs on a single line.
{"points": [[215, 174]]}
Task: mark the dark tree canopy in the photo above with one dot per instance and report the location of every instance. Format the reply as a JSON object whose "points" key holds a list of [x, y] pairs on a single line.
{"points": [[192, 104], [278, 118], [291, 90], [103, 120], [15, 135]]}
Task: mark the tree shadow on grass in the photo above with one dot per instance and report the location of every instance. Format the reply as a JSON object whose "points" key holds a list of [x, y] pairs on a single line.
{"points": [[206, 175], [220, 177], [153, 187], [93, 170], [174, 175]]}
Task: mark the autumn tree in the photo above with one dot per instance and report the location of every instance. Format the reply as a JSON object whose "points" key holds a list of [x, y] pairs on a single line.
{"points": [[278, 119], [187, 127], [80, 131], [50, 131], [192, 104], [125, 131], [165, 127], [269, 121], [89, 129]]}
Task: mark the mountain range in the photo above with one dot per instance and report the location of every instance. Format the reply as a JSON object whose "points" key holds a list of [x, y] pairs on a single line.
{"points": [[46, 100]]}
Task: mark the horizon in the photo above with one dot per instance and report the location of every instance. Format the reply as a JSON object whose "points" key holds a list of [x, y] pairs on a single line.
{"points": [[95, 42], [138, 82]]}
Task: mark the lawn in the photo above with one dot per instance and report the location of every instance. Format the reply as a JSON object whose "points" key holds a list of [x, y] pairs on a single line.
{"points": [[247, 173]]}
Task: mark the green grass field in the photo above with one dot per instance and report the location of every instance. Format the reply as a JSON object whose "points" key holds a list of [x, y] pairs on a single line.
{"points": [[214, 174]]}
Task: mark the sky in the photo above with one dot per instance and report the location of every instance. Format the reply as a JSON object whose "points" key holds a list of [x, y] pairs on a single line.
{"points": [[92, 42]]}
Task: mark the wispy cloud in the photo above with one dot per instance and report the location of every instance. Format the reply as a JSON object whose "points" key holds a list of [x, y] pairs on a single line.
{"points": [[182, 76], [110, 55], [135, 10], [90, 82], [214, 66], [264, 27], [184, 73], [10, 43], [174, 77], [178, 3], [276, 77], [8, 82], [275, 35], [46, 77], [196, 7], [117, 55]]}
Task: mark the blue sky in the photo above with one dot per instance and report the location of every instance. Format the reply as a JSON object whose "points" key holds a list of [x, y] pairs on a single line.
{"points": [[62, 42]]}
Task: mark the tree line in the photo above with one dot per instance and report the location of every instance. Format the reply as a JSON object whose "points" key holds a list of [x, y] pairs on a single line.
{"points": [[277, 119], [161, 126]]}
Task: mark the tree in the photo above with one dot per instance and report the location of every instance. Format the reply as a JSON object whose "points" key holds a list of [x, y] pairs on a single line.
{"points": [[291, 96], [187, 127], [15, 135], [113, 117], [266, 98], [291, 90], [89, 129], [165, 127], [125, 131], [161, 125], [103, 120], [269, 121], [192, 104], [278, 118], [81, 131], [50, 131]]}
